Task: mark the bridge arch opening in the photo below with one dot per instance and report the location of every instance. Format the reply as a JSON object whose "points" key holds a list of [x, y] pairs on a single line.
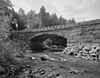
{"points": [[37, 42]]}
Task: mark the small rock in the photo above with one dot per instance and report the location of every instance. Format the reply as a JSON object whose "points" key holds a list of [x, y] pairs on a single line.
{"points": [[59, 77], [42, 72], [26, 71], [28, 51], [74, 71], [43, 58]]}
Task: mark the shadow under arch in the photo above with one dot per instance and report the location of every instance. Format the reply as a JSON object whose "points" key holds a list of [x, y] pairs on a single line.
{"points": [[37, 41]]}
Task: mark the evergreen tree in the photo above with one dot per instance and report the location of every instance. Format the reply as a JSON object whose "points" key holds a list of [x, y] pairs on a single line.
{"points": [[62, 21], [22, 20], [33, 20], [42, 15], [48, 19], [54, 19], [70, 21]]}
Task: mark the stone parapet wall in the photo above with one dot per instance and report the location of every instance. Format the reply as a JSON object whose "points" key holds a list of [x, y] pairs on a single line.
{"points": [[74, 25]]}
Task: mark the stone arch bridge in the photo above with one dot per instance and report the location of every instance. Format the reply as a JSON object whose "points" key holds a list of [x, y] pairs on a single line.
{"points": [[71, 33], [63, 32]]}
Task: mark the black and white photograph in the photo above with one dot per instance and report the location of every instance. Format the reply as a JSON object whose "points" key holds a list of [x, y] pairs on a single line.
{"points": [[49, 38]]}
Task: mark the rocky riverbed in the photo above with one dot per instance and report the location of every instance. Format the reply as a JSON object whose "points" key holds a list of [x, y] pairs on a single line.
{"points": [[56, 65], [23, 63], [87, 52]]}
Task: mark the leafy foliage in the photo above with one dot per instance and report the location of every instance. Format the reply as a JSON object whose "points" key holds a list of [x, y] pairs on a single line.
{"points": [[10, 64], [5, 23], [21, 18], [33, 20], [5, 7]]}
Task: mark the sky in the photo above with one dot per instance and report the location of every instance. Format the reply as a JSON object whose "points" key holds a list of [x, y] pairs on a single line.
{"points": [[80, 10]]}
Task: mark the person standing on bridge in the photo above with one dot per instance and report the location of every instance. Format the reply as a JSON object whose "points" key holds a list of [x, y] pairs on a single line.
{"points": [[15, 24]]}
